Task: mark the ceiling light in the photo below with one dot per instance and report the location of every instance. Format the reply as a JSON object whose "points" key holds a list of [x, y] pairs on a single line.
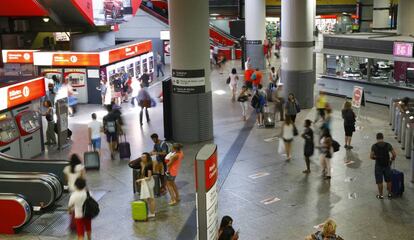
{"points": [[214, 14], [46, 19]]}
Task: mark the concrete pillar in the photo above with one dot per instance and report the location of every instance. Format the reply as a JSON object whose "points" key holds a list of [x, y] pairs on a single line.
{"points": [[191, 102], [297, 69], [255, 15], [365, 14], [405, 17], [381, 13]]}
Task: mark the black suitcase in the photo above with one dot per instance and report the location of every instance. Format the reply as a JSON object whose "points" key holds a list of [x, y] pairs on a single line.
{"points": [[157, 185], [91, 160], [124, 148]]}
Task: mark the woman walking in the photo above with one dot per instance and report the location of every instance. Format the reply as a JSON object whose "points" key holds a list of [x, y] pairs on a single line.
{"points": [[173, 161], [75, 207], [349, 123], [326, 153], [144, 101], [287, 135], [243, 98], [147, 183], [292, 107], [233, 83], [309, 145]]}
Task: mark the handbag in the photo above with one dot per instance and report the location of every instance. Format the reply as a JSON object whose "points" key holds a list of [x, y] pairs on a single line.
{"points": [[295, 131], [281, 148], [228, 80], [145, 103], [153, 103]]}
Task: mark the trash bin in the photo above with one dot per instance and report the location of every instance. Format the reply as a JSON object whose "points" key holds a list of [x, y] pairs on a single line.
{"points": [[409, 133]]}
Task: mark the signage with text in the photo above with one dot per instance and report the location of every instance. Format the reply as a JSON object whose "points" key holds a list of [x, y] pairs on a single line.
{"points": [[75, 59], [23, 92], [18, 56], [129, 51], [403, 49], [188, 81], [358, 97]]}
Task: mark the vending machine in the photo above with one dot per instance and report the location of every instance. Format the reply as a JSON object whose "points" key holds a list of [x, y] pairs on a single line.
{"points": [[150, 57], [28, 122], [9, 135]]}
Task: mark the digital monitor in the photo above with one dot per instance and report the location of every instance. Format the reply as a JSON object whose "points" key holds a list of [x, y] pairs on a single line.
{"points": [[410, 75], [403, 49]]}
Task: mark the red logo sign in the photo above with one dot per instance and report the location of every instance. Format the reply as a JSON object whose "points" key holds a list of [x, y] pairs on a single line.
{"points": [[25, 92], [75, 59], [211, 171], [129, 51]]}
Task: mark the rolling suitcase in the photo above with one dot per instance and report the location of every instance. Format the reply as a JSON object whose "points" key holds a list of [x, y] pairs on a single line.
{"points": [[91, 159], [397, 179], [124, 148], [139, 211], [269, 119]]}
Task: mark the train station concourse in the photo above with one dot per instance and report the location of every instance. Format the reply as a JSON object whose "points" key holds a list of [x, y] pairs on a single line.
{"points": [[207, 120]]}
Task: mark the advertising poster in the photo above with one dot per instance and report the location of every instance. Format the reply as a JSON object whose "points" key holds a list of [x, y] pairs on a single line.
{"points": [[111, 12], [358, 98]]}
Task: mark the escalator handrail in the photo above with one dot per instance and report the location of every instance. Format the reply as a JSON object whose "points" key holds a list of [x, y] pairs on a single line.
{"points": [[154, 13], [21, 160], [230, 37]]}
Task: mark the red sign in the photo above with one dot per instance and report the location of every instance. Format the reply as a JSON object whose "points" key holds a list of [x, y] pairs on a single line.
{"points": [[75, 59], [357, 96], [129, 51], [22, 8], [211, 171], [25, 92], [14, 56]]}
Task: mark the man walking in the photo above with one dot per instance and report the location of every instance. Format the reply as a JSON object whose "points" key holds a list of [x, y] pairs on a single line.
{"points": [[159, 65], [380, 152]]}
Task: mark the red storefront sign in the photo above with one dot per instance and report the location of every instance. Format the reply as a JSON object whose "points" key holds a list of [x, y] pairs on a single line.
{"points": [[129, 51], [25, 92], [211, 171], [15, 56], [75, 59]]}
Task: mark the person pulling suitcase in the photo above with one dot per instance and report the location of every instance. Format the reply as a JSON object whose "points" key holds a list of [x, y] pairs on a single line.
{"points": [[380, 153]]}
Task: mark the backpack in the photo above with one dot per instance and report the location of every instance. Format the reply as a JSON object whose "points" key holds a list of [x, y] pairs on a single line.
{"points": [[335, 146], [90, 207], [253, 77], [297, 107], [382, 155], [255, 103], [169, 146], [111, 126]]}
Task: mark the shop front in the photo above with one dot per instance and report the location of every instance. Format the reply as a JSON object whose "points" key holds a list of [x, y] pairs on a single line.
{"points": [[84, 71], [383, 76]]}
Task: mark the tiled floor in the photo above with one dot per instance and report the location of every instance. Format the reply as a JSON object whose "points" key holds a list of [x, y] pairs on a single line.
{"points": [[305, 201]]}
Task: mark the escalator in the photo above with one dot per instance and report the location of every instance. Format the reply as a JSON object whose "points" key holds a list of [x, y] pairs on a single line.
{"points": [[224, 41], [41, 190], [12, 164], [15, 212]]}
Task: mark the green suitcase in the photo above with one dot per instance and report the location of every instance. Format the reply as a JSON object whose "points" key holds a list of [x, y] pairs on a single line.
{"points": [[139, 210]]}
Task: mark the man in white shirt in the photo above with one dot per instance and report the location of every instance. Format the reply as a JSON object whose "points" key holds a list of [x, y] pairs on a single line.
{"points": [[94, 130]]}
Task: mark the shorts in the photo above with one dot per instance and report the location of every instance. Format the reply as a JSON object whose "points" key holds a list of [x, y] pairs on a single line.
{"points": [[170, 177], [260, 109], [117, 94], [287, 140], [382, 173], [82, 225], [111, 137], [349, 130], [96, 143]]}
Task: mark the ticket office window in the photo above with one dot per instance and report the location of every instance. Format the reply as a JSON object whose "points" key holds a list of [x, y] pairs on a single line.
{"points": [[76, 77]]}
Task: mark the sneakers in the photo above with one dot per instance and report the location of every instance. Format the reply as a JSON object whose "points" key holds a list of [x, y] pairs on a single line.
{"points": [[306, 171], [380, 196], [151, 215]]}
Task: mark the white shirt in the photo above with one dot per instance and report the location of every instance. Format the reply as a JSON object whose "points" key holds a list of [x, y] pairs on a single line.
{"points": [[73, 176], [135, 87], [76, 201], [287, 131], [95, 127], [215, 50]]}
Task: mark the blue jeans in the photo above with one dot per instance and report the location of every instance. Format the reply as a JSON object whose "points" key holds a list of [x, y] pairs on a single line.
{"points": [[159, 69]]}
